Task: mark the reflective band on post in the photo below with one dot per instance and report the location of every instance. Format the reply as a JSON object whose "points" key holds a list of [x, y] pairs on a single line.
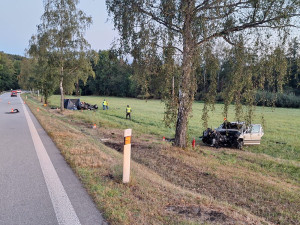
{"points": [[127, 140], [126, 155]]}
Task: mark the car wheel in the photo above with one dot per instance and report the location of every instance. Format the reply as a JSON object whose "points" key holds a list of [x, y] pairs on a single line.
{"points": [[240, 144]]}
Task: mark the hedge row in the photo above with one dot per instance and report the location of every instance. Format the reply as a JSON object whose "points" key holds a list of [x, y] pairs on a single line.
{"points": [[264, 98], [277, 99]]}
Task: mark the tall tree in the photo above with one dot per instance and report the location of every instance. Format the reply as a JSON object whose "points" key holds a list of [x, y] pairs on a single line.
{"points": [[61, 38], [186, 26], [27, 77], [42, 72]]}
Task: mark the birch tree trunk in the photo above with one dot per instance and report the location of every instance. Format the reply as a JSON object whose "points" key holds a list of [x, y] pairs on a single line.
{"points": [[186, 90], [62, 97]]}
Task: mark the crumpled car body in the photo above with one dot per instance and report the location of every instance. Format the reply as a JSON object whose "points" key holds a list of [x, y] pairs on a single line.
{"points": [[233, 134], [87, 106]]}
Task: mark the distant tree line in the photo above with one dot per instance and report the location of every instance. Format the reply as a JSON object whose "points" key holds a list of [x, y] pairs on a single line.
{"points": [[115, 76], [10, 66]]}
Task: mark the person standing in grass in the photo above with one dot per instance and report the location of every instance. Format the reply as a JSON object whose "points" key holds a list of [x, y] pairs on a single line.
{"points": [[104, 103], [128, 112]]}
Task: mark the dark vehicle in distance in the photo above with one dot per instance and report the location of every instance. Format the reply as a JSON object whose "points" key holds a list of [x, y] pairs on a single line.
{"points": [[233, 134]]}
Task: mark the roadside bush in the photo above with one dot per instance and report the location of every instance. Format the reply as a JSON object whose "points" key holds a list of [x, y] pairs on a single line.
{"points": [[265, 98], [278, 100]]}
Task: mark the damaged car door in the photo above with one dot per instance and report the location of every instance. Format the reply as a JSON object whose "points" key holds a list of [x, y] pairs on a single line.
{"points": [[253, 135]]}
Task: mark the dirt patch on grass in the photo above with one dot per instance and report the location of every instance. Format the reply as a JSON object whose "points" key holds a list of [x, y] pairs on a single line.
{"points": [[201, 214]]}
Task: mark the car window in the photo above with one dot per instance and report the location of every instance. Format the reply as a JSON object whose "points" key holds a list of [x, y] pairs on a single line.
{"points": [[255, 128]]}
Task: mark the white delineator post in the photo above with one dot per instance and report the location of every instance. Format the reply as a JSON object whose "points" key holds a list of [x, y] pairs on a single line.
{"points": [[127, 155]]}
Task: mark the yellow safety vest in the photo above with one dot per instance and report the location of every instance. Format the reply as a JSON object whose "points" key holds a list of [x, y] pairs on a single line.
{"points": [[128, 110]]}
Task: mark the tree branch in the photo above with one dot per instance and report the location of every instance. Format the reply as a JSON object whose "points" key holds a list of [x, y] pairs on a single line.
{"points": [[160, 21], [178, 49], [206, 6], [228, 40], [257, 24]]}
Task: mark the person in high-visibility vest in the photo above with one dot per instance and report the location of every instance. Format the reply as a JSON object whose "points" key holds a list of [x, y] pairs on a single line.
{"points": [[128, 111], [104, 103]]}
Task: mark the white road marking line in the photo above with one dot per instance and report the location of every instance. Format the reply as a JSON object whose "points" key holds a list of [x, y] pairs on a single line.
{"points": [[63, 208]]}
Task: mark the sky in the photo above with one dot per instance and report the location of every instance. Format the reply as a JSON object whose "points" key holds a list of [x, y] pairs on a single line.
{"points": [[19, 20]]}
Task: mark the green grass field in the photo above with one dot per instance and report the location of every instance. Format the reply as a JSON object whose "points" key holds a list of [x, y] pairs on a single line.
{"points": [[281, 126], [260, 181]]}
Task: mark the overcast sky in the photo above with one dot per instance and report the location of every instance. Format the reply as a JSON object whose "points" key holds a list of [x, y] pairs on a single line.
{"points": [[19, 18]]}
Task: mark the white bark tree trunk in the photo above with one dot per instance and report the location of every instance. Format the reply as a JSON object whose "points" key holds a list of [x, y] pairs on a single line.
{"points": [[186, 90], [62, 97]]}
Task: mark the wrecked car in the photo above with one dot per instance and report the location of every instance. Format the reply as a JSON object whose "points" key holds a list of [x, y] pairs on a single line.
{"points": [[76, 104], [87, 106], [233, 134]]}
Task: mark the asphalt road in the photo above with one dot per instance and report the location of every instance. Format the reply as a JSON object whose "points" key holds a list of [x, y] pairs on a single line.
{"points": [[36, 185]]}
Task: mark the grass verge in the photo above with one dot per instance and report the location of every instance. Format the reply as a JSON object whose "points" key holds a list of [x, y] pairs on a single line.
{"points": [[170, 185]]}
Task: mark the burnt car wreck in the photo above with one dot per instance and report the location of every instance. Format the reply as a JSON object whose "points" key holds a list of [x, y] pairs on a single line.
{"points": [[87, 106], [233, 134], [76, 104]]}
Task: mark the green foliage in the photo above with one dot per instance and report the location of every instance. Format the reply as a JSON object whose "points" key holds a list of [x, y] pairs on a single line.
{"points": [[293, 58], [60, 46], [169, 86], [9, 69], [210, 72], [113, 76], [27, 78], [1, 66], [241, 76], [279, 100]]}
